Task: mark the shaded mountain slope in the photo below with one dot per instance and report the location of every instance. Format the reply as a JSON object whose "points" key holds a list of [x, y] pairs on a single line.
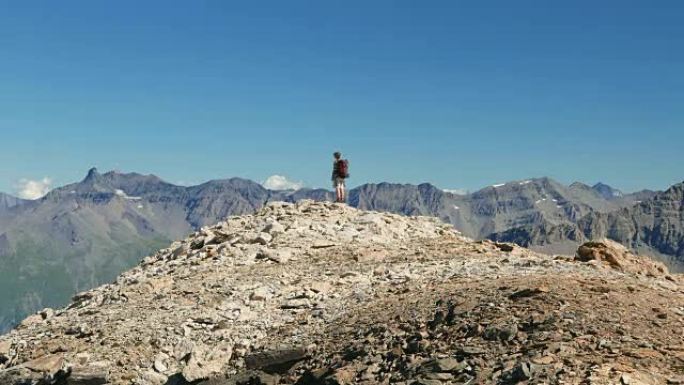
{"points": [[654, 226], [9, 202]]}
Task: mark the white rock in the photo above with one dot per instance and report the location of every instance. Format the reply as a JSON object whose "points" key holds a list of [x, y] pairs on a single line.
{"points": [[320, 287], [274, 228], [47, 313], [263, 238], [276, 255], [260, 294], [205, 365], [160, 363], [183, 349], [296, 303], [150, 377], [5, 347]]}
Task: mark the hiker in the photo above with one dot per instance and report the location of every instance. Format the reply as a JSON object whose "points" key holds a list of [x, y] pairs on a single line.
{"points": [[339, 174]]}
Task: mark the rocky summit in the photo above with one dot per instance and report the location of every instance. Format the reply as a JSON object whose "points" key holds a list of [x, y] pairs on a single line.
{"points": [[321, 293]]}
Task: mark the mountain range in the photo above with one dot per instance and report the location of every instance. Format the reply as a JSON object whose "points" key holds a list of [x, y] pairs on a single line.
{"points": [[84, 234], [653, 226]]}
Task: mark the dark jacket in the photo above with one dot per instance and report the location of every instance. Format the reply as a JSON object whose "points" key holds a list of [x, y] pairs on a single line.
{"points": [[336, 169]]}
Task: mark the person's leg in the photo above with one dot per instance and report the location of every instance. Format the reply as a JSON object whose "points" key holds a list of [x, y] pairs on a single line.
{"points": [[336, 188], [343, 194], [338, 193]]}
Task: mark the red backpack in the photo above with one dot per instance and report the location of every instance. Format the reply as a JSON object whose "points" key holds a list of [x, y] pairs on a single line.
{"points": [[344, 168]]}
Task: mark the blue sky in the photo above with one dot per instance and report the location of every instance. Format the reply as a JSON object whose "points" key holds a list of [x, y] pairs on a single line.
{"points": [[462, 94]]}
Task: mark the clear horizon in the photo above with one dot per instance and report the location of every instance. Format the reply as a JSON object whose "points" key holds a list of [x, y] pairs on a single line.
{"points": [[37, 189], [455, 94]]}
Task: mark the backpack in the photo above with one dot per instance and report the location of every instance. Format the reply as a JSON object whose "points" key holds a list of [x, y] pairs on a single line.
{"points": [[344, 168]]}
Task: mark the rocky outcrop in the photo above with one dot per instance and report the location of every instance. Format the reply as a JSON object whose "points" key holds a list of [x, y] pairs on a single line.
{"points": [[321, 293], [616, 256]]}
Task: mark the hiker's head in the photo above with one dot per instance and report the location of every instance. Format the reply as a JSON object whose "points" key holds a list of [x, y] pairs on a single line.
{"points": [[337, 155]]}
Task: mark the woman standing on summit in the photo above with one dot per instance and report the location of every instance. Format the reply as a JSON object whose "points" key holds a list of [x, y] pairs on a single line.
{"points": [[339, 174]]}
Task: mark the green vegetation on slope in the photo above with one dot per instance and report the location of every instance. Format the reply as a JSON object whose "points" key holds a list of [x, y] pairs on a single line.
{"points": [[50, 282]]}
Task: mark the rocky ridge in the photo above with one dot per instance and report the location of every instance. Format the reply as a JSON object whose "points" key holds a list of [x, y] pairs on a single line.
{"points": [[321, 293], [654, 227]]}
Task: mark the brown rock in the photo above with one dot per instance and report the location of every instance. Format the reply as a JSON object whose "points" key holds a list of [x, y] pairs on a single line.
{"points": [[320, 286], [275, 360], [48, 364], [445, 365], [529, 292], [31, 320], [619, 257], [345, 375], [88, 375], [5, 347]]}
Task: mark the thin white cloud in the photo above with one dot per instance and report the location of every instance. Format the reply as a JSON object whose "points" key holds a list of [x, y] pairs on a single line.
{"points": [[185, 183], [33, 189], [279, 182], [457, 191]]}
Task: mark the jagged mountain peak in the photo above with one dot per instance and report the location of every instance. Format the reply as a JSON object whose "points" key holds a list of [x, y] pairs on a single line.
{"points": [[94, 180], [545, 189], [674, 192], [92, 183], [92, 174], [580, 185], [607, 191], [114, 183], [521, 185]]}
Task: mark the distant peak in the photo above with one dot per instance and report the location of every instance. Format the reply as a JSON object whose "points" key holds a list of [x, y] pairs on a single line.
{"points": [[427, 186], [549, 181], [579, 185], [607, 191], [92, 174], [675, 189]]}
